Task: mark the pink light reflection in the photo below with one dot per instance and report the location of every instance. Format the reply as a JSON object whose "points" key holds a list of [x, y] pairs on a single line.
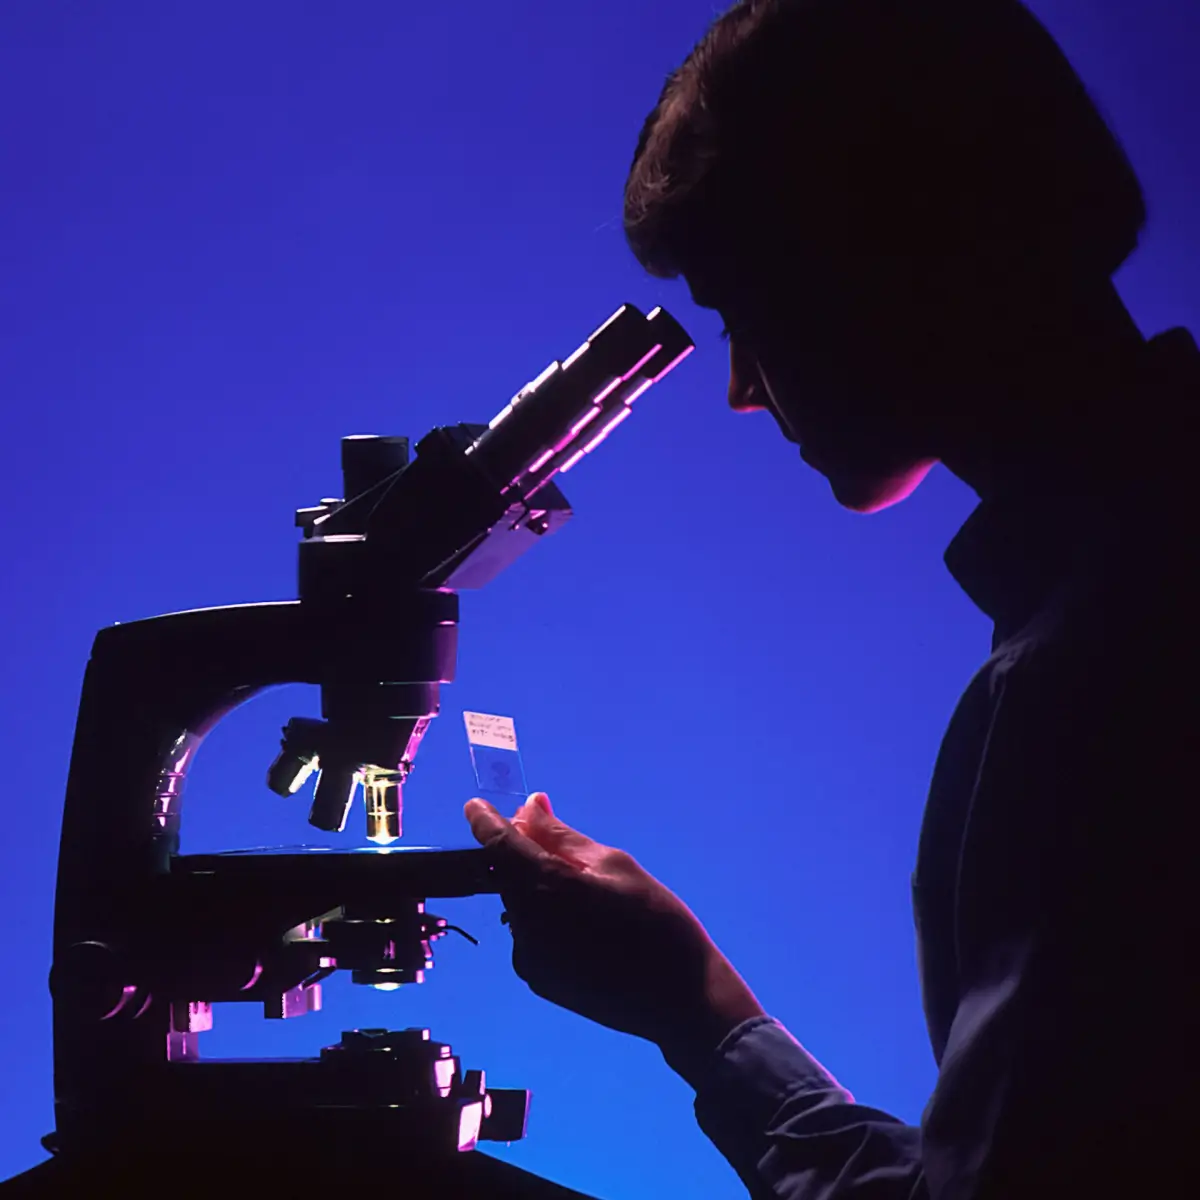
{"points": [[671, 366], [445, 1071], [640, 364], [573, 460], [470, 1122], [638, 391], [127, 994], [542, 461], [583, 423], [616, 316], [258, 970], [576, 356], [607, 390], [533, 385], [621, 415], [504, 412]]}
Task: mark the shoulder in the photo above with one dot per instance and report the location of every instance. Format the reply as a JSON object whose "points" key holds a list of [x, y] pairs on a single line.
{"points": [[1091, 714], [1121, 631], [1098, 692]]}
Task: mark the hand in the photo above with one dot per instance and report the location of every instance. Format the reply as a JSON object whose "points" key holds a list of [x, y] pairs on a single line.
{"points": [[595, 933]]}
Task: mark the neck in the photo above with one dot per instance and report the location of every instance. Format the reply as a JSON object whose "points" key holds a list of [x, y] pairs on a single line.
{"points": [[1059, 401]]}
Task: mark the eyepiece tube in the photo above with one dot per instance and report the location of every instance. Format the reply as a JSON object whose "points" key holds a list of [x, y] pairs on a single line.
{"points": [[613, 404], [555, 410], [674, 344]]}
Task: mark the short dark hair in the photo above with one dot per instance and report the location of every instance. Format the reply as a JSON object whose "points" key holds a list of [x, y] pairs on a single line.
{"points": [[903, 127]]}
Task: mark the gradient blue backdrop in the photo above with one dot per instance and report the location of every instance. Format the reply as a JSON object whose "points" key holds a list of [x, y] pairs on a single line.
{"points": [[231, 233]]}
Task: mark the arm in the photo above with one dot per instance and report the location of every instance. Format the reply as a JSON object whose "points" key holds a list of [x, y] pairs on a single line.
{"points": [[1071, 1065], [791, 1131], [595, 933]]}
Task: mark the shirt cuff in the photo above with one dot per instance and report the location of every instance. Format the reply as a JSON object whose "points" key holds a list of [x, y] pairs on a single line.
{"points": [[755, 1069]]}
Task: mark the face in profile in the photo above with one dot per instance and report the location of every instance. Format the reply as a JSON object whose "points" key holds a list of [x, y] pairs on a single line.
{"points": [[848, 400]]}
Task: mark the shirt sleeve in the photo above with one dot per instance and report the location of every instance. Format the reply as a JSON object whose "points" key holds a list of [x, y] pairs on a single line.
{"points": [[792, 1132]]}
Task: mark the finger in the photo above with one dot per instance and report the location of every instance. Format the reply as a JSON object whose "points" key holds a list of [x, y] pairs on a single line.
{"points": [[522, 816], [486, 823], [541, 826], [530, 812], [519, 860]]}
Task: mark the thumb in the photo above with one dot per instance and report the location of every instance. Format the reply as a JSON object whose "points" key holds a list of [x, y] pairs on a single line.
{"points": [[519, 858], [486, 823]]}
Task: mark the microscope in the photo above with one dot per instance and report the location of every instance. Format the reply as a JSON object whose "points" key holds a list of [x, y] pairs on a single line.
{"points": [[147, 938]]}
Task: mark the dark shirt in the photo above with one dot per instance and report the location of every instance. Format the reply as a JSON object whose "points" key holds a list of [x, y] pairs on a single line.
{"points": [[1054, 891]]}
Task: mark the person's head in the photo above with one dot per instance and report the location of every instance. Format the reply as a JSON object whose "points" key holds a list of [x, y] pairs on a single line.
{"points": [[889, 202]]}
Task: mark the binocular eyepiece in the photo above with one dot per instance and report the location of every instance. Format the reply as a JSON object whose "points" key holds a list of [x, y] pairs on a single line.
{"points": [[573, 405]]}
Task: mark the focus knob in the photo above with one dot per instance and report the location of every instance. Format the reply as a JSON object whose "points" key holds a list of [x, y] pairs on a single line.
{"points": [[91, 981]]}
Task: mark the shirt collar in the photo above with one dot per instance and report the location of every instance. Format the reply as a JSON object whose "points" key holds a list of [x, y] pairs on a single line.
{"points": [[1013, 550], [1009, 554]]}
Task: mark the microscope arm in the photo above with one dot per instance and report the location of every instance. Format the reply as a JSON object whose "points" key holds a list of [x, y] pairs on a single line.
{"points": [[153, 690]]}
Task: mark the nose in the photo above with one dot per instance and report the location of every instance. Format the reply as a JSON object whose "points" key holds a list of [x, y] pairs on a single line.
{"points": [[744, 400], [745, 385]]}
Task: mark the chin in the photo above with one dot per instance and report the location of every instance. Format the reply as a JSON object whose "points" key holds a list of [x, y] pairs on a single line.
{"points": [[866, 493]]}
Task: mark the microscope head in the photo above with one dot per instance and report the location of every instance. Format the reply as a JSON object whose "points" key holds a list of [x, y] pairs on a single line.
{"points": [[409, 535]]}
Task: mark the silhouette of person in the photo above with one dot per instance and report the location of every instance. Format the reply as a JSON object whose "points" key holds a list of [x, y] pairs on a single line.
{"points": [[909, 214]]}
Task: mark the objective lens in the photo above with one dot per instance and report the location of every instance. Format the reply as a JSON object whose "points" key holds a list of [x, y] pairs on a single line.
{"points": [[289, 772], [332, 798], [382, 794]]}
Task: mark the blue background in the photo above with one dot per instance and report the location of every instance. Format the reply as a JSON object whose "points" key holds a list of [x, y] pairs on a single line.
{"points": [[231, 233]]}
